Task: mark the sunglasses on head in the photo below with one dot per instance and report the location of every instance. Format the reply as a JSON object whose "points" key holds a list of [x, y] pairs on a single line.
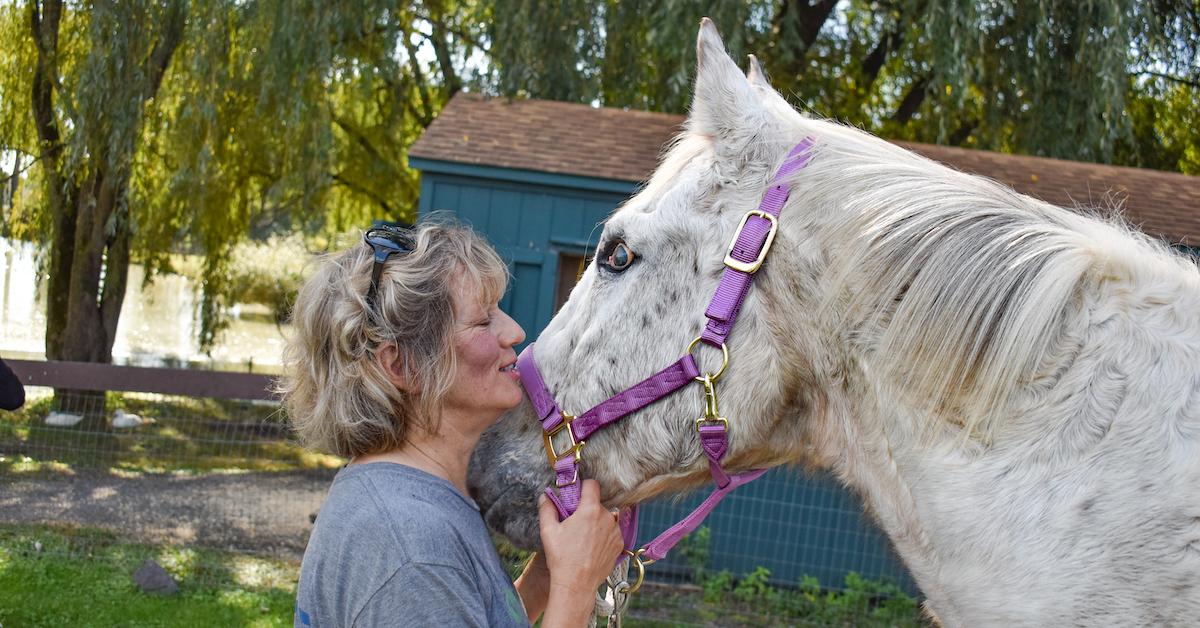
{"points": [[385, 241]]}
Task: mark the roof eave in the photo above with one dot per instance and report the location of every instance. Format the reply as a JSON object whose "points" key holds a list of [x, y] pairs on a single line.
{"points": [[518, 175]]}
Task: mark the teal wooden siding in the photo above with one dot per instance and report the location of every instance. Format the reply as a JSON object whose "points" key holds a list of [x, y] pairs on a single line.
{"points": [[530, 225], [792, 524]]}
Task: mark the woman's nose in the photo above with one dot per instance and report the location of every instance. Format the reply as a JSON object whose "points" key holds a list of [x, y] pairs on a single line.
{"points": [[512, 331]]}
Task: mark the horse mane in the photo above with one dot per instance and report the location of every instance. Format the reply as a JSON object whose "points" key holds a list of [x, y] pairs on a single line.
{"points": [[953, 284]]}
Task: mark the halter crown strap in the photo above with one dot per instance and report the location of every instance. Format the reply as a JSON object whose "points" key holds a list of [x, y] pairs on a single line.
{"points": [[748, 247]]}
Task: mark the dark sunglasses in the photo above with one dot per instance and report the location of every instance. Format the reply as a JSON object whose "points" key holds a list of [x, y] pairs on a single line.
{"points": [[385, 241]]}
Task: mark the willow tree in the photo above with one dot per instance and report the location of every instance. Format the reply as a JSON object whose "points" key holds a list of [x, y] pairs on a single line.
{"points": [[1062, 78], [144, 128]]}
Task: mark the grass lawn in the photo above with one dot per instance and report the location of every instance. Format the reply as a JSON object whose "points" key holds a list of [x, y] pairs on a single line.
{"points": [[68, 576], [82, 577]]}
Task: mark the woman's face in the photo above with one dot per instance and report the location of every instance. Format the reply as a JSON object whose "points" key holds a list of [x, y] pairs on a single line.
{"points": [[486, 382]]}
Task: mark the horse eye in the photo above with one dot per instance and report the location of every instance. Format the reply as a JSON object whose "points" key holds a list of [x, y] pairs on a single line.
{"points": [[621, 257]]}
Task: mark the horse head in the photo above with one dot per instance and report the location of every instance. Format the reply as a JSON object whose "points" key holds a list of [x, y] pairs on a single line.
{"points": [[642, 300], [982, 367]]}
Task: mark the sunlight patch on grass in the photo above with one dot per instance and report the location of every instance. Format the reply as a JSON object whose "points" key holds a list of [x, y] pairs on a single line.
{"points": [[255, 573], [26, 466], [180, 562]]}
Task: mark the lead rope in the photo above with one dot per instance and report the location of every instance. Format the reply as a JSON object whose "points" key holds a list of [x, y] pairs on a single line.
{"points": [[612, 603]]}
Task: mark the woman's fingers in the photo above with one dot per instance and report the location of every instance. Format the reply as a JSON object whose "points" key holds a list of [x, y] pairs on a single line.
{"points": [[547, 513], [590, 493]]}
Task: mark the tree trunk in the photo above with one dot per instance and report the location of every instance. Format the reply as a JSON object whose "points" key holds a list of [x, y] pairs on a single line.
{"points": [[90, 231], [85, 337], [912, 100], [60, 190], [803, 19]]}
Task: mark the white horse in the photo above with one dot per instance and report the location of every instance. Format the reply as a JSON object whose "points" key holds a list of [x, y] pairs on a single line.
{"points": [[1012, 388]]}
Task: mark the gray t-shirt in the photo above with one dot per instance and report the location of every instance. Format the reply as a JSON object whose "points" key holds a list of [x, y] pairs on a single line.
{"points": [[395, 546]]}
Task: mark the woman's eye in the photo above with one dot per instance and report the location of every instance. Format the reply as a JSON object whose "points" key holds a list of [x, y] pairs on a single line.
{"points": [[620, 258]]}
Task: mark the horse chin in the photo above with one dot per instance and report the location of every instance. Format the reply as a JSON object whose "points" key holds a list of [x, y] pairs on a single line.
{"points": [[514, 516], [506, 476]]}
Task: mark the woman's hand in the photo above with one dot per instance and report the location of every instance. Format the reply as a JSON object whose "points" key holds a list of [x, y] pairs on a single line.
{"points": [[533, 586], [580, 553]]}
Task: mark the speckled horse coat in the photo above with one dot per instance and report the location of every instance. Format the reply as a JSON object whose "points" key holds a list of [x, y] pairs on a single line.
{"points": [[1012, 388]]}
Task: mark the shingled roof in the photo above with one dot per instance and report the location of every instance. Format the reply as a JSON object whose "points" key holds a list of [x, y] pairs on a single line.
{"points": [[606, 143]]}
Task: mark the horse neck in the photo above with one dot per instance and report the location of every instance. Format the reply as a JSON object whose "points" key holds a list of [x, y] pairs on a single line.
{"points": [[1120, 371]]}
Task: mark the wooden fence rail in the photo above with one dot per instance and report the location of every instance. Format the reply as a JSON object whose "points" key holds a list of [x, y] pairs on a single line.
{"points": [[191, 383]]}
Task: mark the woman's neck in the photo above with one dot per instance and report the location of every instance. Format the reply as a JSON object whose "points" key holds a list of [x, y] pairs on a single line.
{"points": [[445, 455]]}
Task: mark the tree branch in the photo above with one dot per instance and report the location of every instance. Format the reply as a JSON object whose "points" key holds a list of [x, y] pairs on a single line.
{"points": [[805, 19], [912, 100], [419, 77], [1171, 77], [441, 50], [164, 49], [809, 17], [387, 209], [358, 137], [36, 158]]}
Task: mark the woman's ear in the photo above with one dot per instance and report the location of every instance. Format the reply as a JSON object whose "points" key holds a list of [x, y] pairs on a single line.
{"points": [[395, 364]]}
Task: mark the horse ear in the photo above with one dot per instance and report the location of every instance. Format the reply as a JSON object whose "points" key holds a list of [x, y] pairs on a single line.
{"points": [[724, 103], [755, 74], [768, 96]]}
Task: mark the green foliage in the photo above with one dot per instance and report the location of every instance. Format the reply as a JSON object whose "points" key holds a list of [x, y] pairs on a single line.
{"points": [[1046, 77], [271, 116], [860, 602], [754, 585], [1164, 118], [717, 586], [269, 272]]}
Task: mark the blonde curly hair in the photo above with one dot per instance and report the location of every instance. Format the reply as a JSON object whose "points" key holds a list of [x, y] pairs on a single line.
{"points": [[338, 396]]}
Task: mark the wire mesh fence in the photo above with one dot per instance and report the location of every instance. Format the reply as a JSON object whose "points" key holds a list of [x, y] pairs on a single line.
{"points": [[204, 484]]}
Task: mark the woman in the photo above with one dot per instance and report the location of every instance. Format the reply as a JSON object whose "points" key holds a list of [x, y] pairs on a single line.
{"points": [[400, 360]]}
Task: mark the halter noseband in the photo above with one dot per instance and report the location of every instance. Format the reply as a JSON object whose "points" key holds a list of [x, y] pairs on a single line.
{"points": [[747, 250]]}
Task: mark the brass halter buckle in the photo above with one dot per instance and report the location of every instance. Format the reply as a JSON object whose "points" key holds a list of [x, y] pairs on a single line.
{"points": [[752, 266], [576, 446]]}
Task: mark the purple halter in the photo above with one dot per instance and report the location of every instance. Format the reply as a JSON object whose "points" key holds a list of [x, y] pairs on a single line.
{"points": [[747, 250]]}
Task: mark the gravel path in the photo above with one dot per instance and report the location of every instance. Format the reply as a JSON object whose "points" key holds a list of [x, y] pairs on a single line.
{"points": [[264, 513]]}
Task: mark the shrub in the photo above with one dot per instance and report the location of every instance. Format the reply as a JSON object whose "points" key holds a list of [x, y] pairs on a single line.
{"points": [[269, 272], [754, 586]]}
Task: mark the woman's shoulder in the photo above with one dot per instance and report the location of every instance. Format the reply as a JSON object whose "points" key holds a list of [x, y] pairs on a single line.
{"points": [[397, 497]]}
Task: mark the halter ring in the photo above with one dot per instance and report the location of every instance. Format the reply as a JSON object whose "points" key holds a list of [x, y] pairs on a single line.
{"points": [[724, 360], [636, 557]]}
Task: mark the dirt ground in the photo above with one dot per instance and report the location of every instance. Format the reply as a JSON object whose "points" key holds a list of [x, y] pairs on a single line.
{"points": [[264, 513]]}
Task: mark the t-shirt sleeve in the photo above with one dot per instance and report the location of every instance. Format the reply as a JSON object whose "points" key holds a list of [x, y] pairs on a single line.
{"points": [[425, 595], [12, 391]]}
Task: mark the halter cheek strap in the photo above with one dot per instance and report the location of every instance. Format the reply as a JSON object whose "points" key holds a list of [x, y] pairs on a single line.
{"points": [[566, 435]]}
